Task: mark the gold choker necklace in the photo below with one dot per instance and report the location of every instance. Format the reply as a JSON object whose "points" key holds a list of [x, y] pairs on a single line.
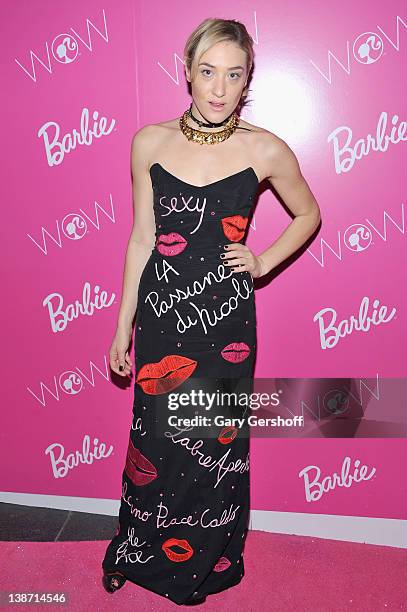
{"points": [[208, 137]]}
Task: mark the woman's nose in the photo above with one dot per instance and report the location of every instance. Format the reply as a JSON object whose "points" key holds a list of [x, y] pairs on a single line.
{"points": [[219, 87]]}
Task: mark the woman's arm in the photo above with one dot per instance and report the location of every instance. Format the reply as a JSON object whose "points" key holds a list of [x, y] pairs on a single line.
{"points": [[285, 176], [142, 237]]}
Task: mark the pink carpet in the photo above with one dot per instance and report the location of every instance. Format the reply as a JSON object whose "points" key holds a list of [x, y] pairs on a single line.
{"points": [[282, 573]]}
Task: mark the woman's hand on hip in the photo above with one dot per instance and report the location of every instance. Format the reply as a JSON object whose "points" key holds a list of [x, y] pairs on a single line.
{"points": [[241, 259]]}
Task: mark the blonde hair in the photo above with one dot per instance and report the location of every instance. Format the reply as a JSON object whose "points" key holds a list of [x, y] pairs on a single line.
{"points": [[212, 31]]}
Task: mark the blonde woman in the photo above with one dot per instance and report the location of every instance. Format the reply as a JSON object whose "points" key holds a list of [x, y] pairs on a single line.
{"points": [[189, 280]]}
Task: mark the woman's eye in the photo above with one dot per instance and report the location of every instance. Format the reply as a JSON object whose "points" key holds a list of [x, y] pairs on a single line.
{"points": [[236, 74]]}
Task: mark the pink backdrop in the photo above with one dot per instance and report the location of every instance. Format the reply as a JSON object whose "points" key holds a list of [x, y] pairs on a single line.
{"points": [[328, 80]]}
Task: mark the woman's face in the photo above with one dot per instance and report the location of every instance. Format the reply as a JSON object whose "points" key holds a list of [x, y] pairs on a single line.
{"points": [[220, 78]]}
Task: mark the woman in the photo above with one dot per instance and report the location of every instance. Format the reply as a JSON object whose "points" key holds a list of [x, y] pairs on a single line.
{"points": [[189, 279]]}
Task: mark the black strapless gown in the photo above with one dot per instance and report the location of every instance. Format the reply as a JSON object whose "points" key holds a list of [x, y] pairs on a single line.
{"points": [[185, 490]]}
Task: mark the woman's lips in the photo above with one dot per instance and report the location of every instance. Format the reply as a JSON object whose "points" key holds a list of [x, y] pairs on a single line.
{"points": [[216, 106], [222, 565], [227, 434], [235, 352], [138, 468], [176, 556], [167, 374], [171, 244], [234, 227]]}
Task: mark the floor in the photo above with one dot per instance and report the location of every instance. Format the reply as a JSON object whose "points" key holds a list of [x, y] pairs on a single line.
{"points": [[57, 551], [28, 524]]}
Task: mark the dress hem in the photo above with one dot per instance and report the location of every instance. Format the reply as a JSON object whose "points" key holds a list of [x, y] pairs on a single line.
{"points": [[203, 594]]}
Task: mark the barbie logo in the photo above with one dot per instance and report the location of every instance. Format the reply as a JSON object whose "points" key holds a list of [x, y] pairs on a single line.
{"points": [[357, 237], [56, 147], [75, 226], [65, 47], [60, 316], [71, 383], [360, 236], [330, 333], [61, 464], [336, 402], [315, 488], [367, 48], [345, 154]]}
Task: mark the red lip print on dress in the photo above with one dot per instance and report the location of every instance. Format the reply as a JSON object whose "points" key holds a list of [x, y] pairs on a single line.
{"points": [[171, 244], [165, 375], [234, 227], [227, 434], [235, 352], [222, 565], [176, 556], [138, 468]]}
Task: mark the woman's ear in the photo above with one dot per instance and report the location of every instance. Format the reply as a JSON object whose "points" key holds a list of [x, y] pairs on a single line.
{"points": [[187, 73]]}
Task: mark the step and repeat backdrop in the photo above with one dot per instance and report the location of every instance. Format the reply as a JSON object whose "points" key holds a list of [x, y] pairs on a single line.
{"points": [[79, 80]]}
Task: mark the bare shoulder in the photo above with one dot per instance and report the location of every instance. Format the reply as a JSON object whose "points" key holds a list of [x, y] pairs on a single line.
{"points": [[267, 148], [146, 136], [268, 141], [250, 126], [147, 140], [276, 155]]}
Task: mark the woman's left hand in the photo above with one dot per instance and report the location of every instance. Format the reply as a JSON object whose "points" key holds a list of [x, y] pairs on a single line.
{"points": [[241, 259]]}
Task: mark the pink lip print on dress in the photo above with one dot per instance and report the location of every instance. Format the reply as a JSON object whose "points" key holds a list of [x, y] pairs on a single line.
{"points": [[138, 468], [222, 565], [234, 227], [235, 352], [171, 244]]}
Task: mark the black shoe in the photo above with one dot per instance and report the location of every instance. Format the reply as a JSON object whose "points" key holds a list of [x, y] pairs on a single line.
{"points": [[113, 581], [194, 602]]}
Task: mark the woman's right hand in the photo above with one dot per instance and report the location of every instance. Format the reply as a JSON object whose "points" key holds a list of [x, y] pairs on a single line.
{"points": [[119, 355]]}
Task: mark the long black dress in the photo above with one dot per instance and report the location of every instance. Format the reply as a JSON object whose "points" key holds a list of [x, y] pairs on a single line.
{"points": [[185, 490]]}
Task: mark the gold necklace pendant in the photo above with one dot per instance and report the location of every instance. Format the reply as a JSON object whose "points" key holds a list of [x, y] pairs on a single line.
{"points": [[202, 137]]}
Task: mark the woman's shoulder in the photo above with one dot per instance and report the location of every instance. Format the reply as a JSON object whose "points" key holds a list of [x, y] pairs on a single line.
{"points": [[259, 132], [267, 148], [262, 141], [150, 137], [157, 128], [152, 134]]}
